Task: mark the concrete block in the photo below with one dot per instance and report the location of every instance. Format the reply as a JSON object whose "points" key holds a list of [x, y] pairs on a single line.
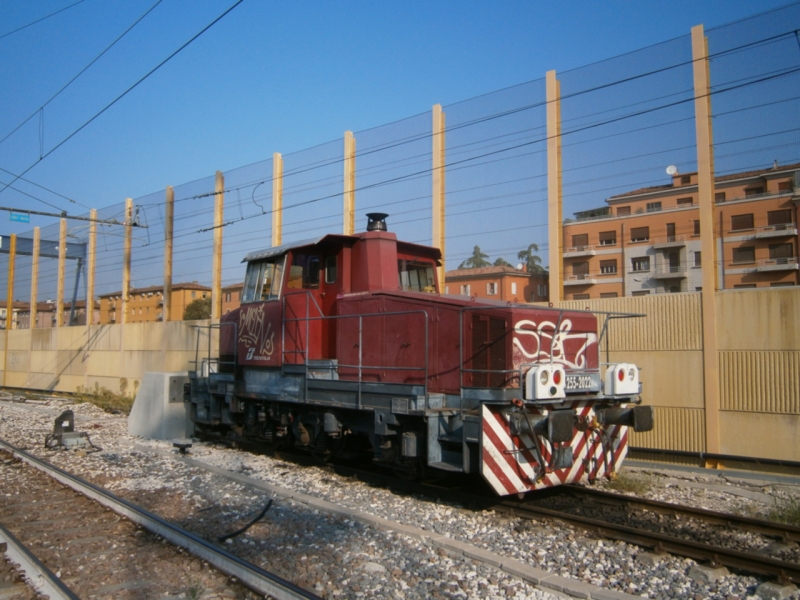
{"points": [[573, 587], [775, 591], [526, 572], [603, 594], [704, 574], [159, 411]]}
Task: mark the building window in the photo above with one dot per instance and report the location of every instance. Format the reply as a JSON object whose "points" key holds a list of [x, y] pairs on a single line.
{"points": [[697, 227], [580, 241], [447, 289], [785, 186], [640, 263], [753, 191], [640, 234], [686, 179], [778, 251], [580, 296], [653, 206], [580, 269], [685, 201], [745, 254], [779, 217], [640, 293], [194, 294], [782, 284], [541, 290], [513, 287], [608, 295], [623, 210], [742, 286], [491, 289], [608, 267], [697, 259], [740, 222], [719, 197], [608, 238], [227, 296], [465, 290], [670, 232]]}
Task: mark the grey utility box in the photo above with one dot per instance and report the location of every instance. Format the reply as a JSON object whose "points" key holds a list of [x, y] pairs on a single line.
{"points": [[159, 412]]}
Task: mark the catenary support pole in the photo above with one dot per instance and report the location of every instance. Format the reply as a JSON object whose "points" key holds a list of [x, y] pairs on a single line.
{"points": [[216, 275], [555, 219], [438, 178], [349, 212], [277, 199], [705, 192], [62, 260]]}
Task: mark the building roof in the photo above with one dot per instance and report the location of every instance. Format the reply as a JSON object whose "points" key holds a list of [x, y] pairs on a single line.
{"points": [[160, 288], [485, 271], [233, 287], [731, 177]]}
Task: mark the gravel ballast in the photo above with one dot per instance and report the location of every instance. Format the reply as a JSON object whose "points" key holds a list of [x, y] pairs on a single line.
{"points": [[403, 547]]}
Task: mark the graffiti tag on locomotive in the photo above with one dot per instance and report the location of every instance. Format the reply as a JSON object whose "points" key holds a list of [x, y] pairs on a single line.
{"points": [[345, 345]]}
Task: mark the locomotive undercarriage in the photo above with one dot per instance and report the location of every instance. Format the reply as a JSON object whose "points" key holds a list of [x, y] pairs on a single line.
{"points": [[393, 424]]}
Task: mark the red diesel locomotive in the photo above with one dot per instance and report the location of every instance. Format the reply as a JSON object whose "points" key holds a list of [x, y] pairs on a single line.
{"points": [[345, 344]]}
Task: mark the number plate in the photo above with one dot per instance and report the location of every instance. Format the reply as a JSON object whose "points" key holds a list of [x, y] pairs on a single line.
{"points": [[582, 382]]}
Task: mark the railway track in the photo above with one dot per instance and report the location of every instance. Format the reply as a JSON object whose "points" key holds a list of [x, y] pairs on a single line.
{"points": [[623, 518], [97, 544]]}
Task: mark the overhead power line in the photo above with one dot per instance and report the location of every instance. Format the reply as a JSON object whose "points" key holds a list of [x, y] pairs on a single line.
{"points": [[39, 20], [125, 93]]}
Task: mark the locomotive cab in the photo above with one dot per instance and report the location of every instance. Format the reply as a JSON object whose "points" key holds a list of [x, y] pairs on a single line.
{"points": [[344, 344]]}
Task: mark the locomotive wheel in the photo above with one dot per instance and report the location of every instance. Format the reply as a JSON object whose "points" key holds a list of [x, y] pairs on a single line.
{"points": [[409, 471], [326, 448]]}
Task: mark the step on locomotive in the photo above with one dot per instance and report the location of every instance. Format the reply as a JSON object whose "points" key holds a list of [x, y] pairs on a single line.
{"points": [[344, 344]]}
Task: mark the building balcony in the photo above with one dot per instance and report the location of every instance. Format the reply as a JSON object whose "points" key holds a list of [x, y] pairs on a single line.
{"points": [[777, 264], [773, 231], [670, 272], [671, 241], [580, 280], [575, 251]]}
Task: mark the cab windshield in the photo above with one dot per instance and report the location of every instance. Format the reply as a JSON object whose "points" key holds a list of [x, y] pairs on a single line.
{"points": [[263, 280]]}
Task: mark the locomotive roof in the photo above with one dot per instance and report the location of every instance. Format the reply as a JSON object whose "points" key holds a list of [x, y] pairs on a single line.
{"points": [[278, 250]]}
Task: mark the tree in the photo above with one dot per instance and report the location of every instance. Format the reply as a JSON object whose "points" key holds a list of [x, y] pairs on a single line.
{"points": [[198, 309], [533, 262], [501, 262], [476, 261]]}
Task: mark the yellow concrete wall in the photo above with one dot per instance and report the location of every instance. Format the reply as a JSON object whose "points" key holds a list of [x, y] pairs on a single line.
{"points": [[759, 363]]}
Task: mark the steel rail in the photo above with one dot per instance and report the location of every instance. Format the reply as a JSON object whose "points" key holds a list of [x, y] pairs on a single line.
{"points": [[38, 576], [716, 555], [785, 531], [250, 575]]}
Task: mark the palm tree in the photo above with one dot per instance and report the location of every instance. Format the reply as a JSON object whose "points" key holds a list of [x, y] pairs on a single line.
{"points": [[501, 262], [532, 261], [476, 261]]}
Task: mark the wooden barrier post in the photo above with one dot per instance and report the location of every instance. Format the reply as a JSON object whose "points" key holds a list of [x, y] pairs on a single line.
{"points": [[349, 216], [169, 224], [216, 274], [126, 260], [35, 277], [705, 192], [438, 192], [12, 256], [277, 199], [555, 219], [90, 267]]}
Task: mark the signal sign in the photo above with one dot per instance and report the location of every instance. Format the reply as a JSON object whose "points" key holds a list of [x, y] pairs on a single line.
{"points": [[20, 217]]}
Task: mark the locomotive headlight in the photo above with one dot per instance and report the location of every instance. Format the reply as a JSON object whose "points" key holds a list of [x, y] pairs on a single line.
{"points": [[544, 376], [631, 373], [622, 379], [545, 382]]}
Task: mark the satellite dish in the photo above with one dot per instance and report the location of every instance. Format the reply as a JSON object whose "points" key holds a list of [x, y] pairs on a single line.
{"points": [[672, 169], [519, 267]]}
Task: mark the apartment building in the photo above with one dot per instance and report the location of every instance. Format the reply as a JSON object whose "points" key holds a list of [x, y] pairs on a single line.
{"points": [[497, 283], [647, 241], [231, 297], [147, 304]]}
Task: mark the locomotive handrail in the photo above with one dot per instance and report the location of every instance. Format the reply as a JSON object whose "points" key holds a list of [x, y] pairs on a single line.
{"points": [[219, 362]]}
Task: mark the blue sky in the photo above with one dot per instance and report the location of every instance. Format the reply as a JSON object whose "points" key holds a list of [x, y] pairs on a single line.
{"points": [[275, 77]]}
